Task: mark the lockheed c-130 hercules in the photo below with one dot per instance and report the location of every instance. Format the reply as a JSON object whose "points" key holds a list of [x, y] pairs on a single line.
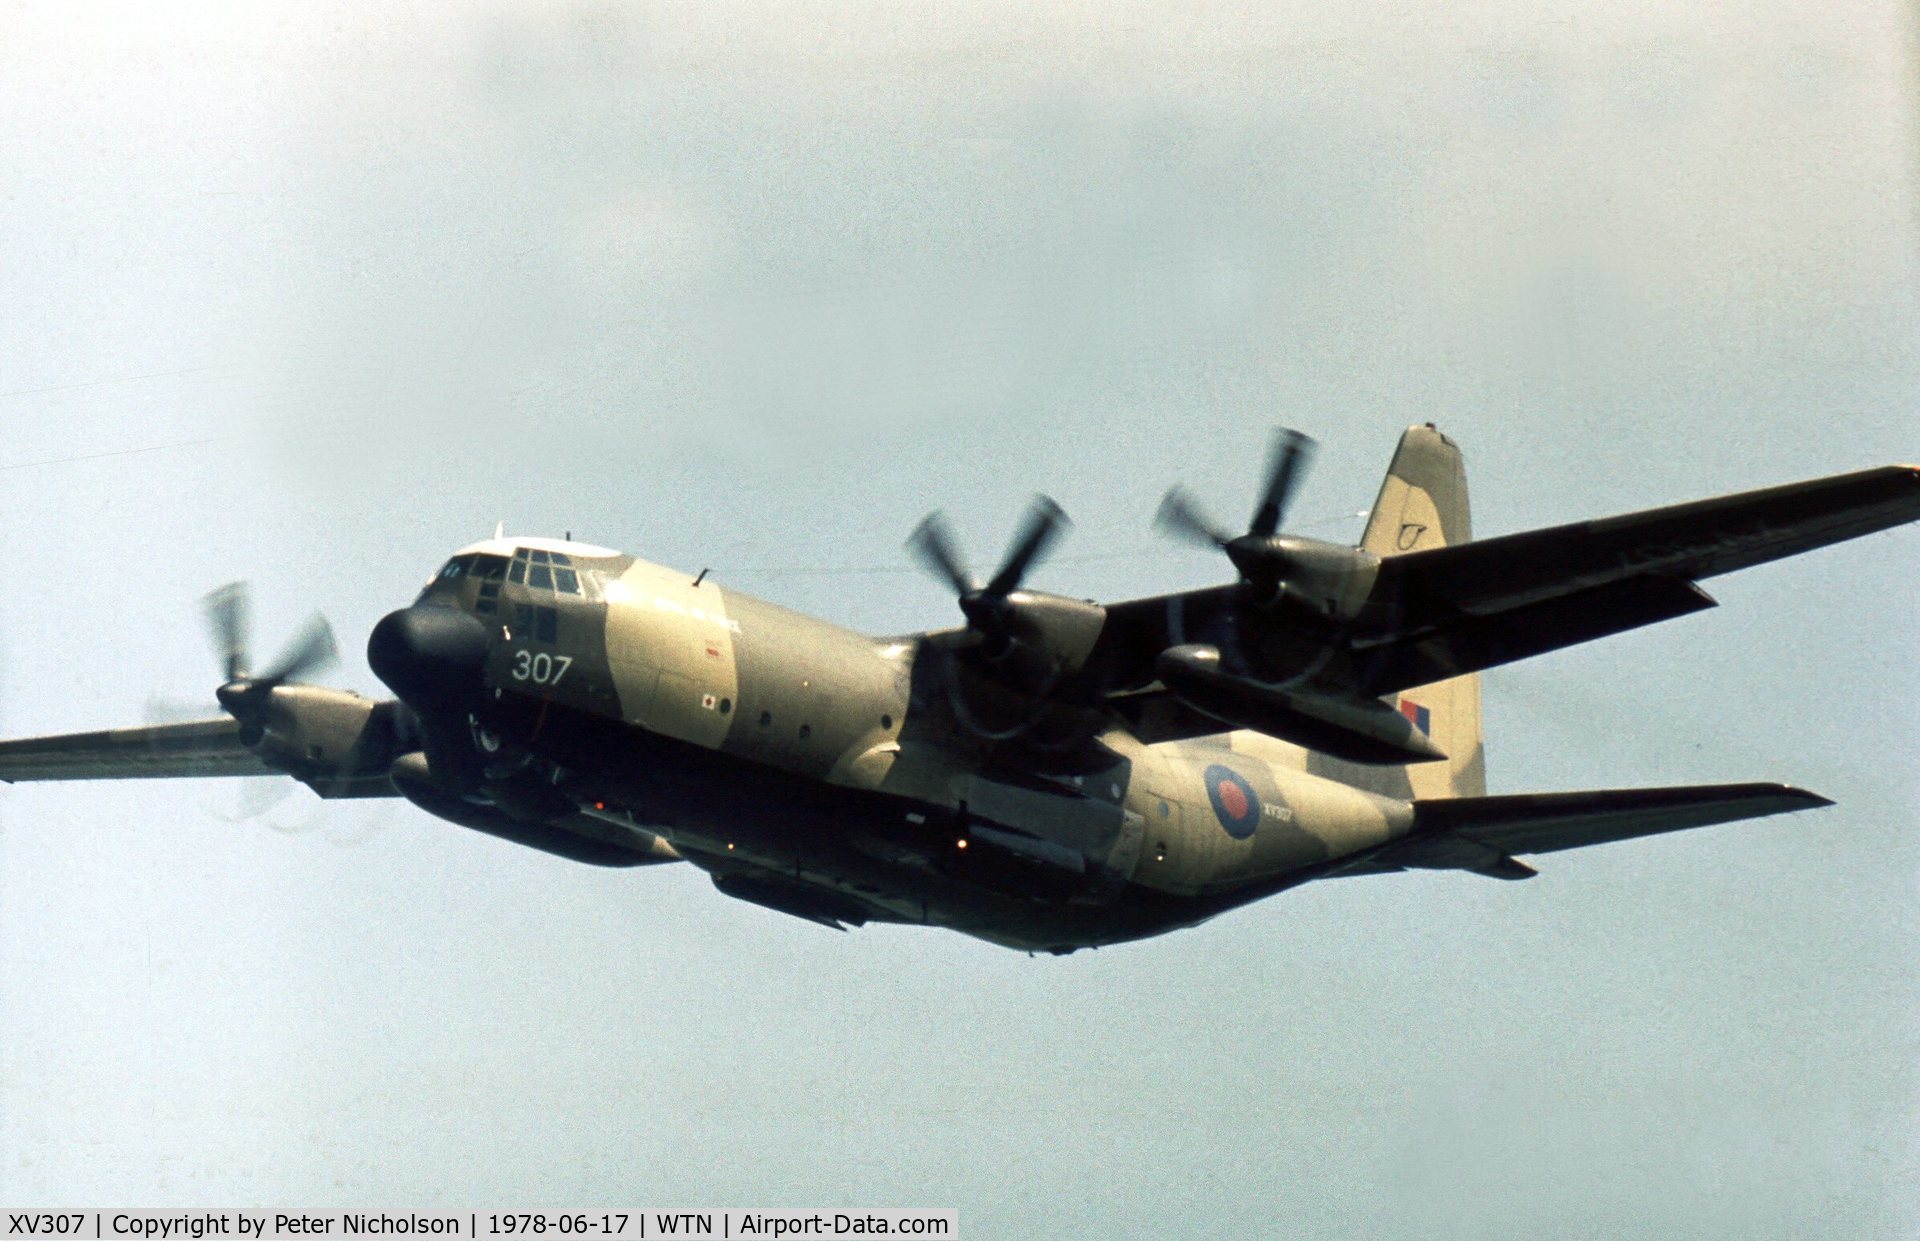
{"points": [[1051, 775]]}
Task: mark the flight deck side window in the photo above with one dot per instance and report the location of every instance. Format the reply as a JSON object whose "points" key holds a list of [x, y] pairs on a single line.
{"points": [[540, 577], [490, 570]]}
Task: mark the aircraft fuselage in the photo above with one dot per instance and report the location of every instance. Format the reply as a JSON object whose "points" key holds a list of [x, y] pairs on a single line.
{"points": [[824, 773]]}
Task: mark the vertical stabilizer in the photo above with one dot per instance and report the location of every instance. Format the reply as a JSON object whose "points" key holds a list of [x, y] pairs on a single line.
{"points": [[1423, 504]]}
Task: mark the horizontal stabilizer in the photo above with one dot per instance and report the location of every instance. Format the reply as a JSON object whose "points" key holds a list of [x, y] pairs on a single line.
{"points": [[1483, 834], [1544, 822]]}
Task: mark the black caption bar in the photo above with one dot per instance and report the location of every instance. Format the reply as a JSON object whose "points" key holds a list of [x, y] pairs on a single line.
{"points": [[625, 1224]]}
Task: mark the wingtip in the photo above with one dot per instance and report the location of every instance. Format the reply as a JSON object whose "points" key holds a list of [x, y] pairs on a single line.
{"points": [[1809, 799]]}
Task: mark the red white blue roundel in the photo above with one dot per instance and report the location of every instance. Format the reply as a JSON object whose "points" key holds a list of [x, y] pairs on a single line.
{"points": [[1235, 803]]}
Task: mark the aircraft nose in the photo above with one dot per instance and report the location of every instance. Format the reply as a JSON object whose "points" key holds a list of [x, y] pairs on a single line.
{"points": [[430, 654]]}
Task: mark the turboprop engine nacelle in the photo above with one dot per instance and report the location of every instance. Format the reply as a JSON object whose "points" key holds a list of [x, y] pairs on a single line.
{"points": [[1360, 730], [1327, 579], [1052, 632], [335, 741]]}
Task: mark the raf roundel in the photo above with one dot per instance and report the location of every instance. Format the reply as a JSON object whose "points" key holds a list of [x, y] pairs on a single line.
{"points": [[1235, 803]]}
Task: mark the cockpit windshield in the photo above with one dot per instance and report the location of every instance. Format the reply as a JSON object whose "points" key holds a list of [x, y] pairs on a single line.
{"points": [[537, 570], [545, 571]]}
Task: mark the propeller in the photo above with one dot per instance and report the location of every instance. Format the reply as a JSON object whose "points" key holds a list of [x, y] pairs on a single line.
{"points": [[228, 620], [245, 694], [1180, 517], [1311, 574], [990, 609]]}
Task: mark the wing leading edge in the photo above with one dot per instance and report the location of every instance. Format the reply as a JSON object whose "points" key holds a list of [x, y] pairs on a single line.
{"points": [[1451, 610], [197, 748], [1442, 612]]}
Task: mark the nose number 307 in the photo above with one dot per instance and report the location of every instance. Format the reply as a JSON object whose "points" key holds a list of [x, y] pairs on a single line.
{"points": [[540, 667]]}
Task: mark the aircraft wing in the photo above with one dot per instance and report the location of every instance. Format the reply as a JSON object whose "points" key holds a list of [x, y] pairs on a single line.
{"points": [[1456, 609], [198, 748], [1451, 610], [1483, 833]]}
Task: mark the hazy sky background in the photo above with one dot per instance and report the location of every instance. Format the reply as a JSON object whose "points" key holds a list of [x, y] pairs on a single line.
{"points": [[753, 286]]}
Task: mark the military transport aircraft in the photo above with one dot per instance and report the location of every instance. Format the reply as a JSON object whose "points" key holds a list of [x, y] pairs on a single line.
{"points": [[1054, 773]]}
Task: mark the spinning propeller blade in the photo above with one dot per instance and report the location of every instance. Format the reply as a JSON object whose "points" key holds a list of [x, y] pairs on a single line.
{"points": [[932, 544], [1292, 450], [312, 648], [227, 619], [1180, 517], [1261, 552], [1045, 523], [243, 695], [989, 610]]}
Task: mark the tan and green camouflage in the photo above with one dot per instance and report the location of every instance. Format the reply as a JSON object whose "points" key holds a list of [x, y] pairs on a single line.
{"points": [[1046, 786]]}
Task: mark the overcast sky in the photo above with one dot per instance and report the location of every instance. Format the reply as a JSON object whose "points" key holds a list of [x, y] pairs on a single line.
{"points": [[312, 294]]}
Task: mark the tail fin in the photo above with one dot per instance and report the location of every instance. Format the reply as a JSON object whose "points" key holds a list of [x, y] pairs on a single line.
{"points": [[1423, 504]]}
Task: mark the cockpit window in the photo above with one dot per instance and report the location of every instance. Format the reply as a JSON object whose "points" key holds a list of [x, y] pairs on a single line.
{"points": [[449, 584], [543, 570]]}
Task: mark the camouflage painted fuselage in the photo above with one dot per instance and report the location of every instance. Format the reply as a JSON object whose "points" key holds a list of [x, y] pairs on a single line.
{"points": [[832, 775], [1054, 774]]}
